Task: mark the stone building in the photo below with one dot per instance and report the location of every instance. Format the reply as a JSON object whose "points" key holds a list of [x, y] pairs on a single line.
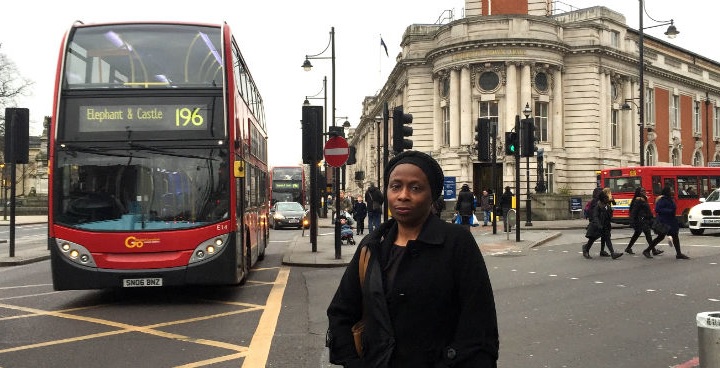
{"points": [[577, 71]]}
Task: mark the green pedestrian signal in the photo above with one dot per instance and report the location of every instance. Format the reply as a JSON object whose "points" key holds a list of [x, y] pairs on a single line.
{"points": [[511, 143]]}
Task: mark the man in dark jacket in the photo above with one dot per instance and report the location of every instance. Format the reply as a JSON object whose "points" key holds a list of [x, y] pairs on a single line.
{"points": [[506, 204], [465, 206], [374, 200]]}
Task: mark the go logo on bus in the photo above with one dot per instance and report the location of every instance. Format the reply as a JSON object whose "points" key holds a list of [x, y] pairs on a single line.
{"points": [[133, 242], [185, 116]]}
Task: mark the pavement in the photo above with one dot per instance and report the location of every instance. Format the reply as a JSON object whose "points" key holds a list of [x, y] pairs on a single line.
{"points": [[300, 250]]}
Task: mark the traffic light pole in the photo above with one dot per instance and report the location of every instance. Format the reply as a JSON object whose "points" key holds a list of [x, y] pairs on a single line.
{"points": [[517, 182], [528, 202], [493, 136]]}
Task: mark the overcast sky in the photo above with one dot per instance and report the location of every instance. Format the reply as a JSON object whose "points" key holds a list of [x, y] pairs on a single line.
{"points": [[275, 36]]}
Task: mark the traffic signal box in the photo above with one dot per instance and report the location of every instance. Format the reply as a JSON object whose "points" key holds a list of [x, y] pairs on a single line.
{"points": [[401, 129], [527, 134], [482, 139], [511, 143], [312, 150]]}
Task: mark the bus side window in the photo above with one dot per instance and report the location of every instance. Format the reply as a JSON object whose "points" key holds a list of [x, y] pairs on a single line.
{"points": [[657, 185]]}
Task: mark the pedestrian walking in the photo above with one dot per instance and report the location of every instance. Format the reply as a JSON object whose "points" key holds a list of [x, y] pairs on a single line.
{"points": [[374, 200], [611, 203], [465, 205], [640, 220], [485, 207], [359, 214], [425, 299], [600, 227], [506, 205], [665, 208]]}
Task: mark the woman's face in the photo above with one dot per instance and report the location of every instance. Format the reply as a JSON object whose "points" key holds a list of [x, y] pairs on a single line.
{"points": [[409, 195]]}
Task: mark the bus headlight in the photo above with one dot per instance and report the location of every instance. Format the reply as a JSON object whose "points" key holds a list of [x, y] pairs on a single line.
{"points": [[75, 253], [209, 248]]}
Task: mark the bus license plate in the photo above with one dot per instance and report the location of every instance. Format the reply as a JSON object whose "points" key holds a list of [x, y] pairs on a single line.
{"points": [[146, 282]]}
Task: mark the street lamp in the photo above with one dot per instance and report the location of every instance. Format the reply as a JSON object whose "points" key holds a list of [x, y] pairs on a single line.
{"points": [[671, 33], [307, 66]]}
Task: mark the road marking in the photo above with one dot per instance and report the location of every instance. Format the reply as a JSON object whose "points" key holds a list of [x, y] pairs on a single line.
{"points": [[259, 348]]}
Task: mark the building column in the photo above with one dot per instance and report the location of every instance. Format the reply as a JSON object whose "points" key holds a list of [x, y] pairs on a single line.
{"points": [[628, 120], [558, 133], [437, 115], [603, 135], [454, 108], [511, 96], [525, 89], [466, 107]]}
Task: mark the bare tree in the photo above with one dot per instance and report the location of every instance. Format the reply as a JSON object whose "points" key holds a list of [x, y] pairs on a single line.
{"points": [[12, 86]]}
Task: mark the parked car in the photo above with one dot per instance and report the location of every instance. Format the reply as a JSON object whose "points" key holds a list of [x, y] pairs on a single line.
{"points": [[287, 214], [706, 214]]}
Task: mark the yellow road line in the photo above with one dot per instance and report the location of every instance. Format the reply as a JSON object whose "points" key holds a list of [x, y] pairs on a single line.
{"points": [[259, 348]]}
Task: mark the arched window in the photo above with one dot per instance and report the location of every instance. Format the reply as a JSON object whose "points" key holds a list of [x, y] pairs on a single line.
{"points": [[650, 156], [697, 159]]}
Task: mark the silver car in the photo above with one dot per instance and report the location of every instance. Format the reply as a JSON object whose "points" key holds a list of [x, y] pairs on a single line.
{"points": [[287, 214]]}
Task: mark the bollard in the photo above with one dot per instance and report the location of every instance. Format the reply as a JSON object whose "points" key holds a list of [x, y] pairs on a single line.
{"points": [[709, 339]]}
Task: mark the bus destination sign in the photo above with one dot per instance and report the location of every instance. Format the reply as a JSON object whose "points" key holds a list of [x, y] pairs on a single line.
{"points": [[142, 118]]}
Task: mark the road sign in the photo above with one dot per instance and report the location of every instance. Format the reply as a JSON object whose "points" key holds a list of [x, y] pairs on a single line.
{"points": [[336, 151]]}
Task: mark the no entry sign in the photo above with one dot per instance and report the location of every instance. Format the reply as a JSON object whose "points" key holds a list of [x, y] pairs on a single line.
{"points": [[336, 151]]}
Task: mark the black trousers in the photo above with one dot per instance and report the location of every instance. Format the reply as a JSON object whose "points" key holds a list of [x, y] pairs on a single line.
{"points": [[636, 235]]}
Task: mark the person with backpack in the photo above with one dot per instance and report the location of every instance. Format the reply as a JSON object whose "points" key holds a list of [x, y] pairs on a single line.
{"points": [[374, 200]]}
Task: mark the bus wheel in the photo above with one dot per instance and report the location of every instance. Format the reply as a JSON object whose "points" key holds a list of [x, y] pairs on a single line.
{"points": [[697, 231]]}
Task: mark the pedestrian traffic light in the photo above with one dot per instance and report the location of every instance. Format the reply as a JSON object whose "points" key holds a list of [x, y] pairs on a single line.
{"points": [[527, 135], [311, 134], [401, 130], [511, 143], [351, 156], [482, 139]]}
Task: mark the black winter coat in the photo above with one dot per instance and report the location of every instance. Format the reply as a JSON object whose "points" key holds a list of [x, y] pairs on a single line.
{"points": [[465, 203], [640, 214], [439, 313]]}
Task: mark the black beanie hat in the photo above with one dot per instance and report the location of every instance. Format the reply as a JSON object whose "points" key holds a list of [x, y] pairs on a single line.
{"points": [[427, 164]]}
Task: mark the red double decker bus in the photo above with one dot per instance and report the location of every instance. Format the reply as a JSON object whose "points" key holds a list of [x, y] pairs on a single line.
{"points": [[690, 183], [288, 184], [158, 158]]}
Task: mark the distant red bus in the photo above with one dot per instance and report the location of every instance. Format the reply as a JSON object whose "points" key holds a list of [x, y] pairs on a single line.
{"points": [[689, 183], [158, 158]]}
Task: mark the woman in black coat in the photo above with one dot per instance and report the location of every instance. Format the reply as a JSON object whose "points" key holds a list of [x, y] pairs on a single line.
{"points": [[640, 220], [600, 226], [427, 301], [665, 208]]}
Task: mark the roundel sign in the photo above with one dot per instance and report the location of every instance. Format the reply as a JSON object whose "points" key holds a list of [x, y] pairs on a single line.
{"points": [[336, 151]]}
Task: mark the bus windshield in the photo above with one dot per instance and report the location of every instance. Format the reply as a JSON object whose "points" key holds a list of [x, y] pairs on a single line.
{"points": [[143, 56], [139, 187]]}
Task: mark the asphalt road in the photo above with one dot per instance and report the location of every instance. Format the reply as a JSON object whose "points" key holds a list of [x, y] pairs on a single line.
{"points": [[555, 309]]}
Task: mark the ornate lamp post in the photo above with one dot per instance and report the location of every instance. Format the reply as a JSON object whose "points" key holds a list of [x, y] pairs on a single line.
{"points": [[671, 33], [307, 66]]}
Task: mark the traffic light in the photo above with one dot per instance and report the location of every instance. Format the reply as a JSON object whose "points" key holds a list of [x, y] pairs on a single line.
{"points": [[511, 143], [312, 150], [336, 131], [482, 139], [400, 130], [351, 156], [17, 128], [527, 134]]}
